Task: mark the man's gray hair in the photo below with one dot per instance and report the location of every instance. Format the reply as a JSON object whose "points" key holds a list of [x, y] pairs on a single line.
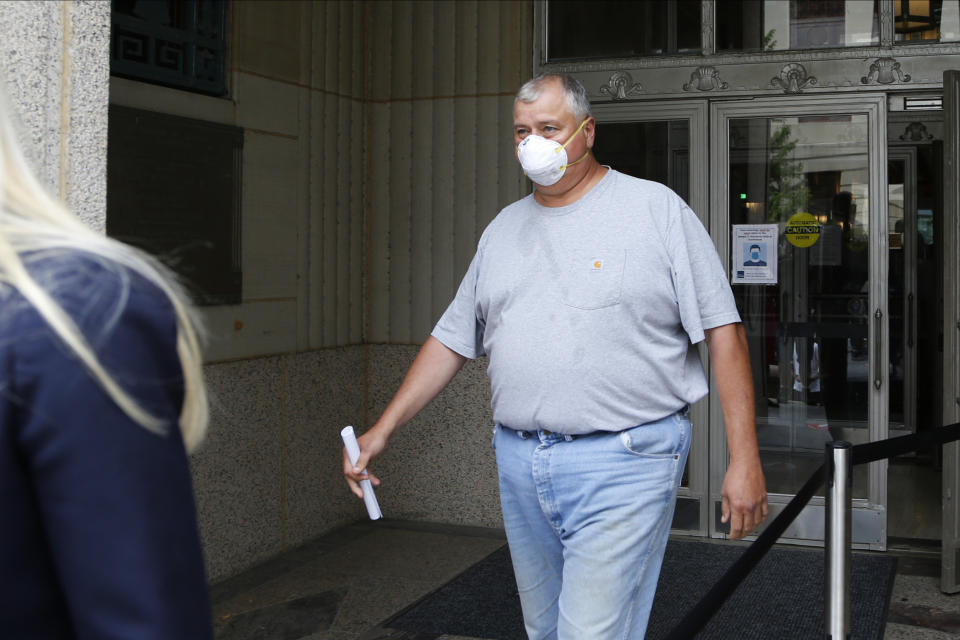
{"points": [[577, 101]]}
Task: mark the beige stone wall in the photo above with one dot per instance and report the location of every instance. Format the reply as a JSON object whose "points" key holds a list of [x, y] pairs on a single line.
{"points": [[441, 84], [376, 149], [440, 467], [268, 477], [295, 81]]}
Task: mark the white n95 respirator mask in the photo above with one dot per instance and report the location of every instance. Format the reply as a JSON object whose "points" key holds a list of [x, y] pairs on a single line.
{"points": [[545, 161]]}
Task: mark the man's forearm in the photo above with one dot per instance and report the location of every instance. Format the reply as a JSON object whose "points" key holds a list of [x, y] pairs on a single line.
{"points": [[744, 492], [431, 371], [730, 360]]}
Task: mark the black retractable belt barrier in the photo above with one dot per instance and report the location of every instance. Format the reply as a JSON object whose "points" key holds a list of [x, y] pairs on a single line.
{"points": [[873, 451], [709, 604]]}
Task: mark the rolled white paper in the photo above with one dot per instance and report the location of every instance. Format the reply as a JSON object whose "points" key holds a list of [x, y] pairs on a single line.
{"points": [[353, 452]]}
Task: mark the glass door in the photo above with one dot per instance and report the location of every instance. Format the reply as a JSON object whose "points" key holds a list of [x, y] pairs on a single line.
{"points": [[664, 142], [801, 220], [915, 219]]}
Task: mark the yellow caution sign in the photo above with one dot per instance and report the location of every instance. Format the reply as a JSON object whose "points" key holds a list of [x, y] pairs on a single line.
{"points": [[802, 230]]}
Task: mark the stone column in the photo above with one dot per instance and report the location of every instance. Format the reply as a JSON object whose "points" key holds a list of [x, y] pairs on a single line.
{"points": [[55, 68]]}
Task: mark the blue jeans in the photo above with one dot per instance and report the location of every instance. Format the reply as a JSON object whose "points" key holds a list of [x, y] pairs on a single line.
{"points": [[587, 520]]}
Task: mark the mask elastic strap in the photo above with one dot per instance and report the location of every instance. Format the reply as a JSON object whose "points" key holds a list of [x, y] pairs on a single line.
{"points": [[585, 154], [564, 145], [570, 164]]}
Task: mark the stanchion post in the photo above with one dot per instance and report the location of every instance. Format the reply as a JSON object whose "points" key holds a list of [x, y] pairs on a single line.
{"points": [[837, 539]]}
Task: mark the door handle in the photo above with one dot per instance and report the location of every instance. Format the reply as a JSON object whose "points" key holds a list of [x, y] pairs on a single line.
{"points": [[877, 349], [910, 320]]}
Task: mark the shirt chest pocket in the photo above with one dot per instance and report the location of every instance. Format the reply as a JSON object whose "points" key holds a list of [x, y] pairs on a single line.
{"points": [[592, 279]]}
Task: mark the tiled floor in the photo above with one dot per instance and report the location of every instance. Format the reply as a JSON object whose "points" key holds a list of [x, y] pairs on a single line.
{"points": [[342, 585]]}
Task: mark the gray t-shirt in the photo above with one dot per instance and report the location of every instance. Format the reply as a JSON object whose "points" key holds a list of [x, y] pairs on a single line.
{"points": [[588, 312]]}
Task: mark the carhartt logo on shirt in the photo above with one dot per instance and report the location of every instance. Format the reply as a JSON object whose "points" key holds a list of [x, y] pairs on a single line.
{"points": [[597, 265]]}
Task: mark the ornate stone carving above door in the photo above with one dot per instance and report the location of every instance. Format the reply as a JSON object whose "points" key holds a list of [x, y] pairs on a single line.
{"points": [[916, 132], [885, 71], [793, 78], [621, 86], [705, 78]]}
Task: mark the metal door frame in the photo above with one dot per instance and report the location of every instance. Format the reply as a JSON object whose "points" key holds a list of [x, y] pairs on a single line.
{"points": [[869, 517], [695, 112]]}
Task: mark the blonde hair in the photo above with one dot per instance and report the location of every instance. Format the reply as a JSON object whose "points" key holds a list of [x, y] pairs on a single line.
{"points": [[32, 221]]}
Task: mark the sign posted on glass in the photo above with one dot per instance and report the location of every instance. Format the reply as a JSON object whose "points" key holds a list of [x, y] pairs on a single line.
{"points": [[754, 254]]}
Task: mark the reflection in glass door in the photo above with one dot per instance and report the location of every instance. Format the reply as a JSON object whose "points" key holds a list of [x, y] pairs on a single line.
{"points": [[816, 323]]}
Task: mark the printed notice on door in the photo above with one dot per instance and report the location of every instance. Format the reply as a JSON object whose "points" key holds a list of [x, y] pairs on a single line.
{"points": [[754, 254]]}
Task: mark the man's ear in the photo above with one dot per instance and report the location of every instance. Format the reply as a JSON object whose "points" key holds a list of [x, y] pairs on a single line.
{"points": [[589, 131]]}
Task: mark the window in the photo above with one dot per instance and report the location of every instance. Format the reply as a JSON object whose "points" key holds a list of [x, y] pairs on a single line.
{"points": [[173, 189], [176, 43], [926, 20], [773, 25], [579, 30]]}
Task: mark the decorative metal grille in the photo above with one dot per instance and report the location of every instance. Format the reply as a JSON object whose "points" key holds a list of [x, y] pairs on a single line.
{"points": [[176, 43]]}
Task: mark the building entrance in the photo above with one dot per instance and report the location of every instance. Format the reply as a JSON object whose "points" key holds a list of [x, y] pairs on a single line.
{"points": [[799, 205], [841, 296], [813, 300]]}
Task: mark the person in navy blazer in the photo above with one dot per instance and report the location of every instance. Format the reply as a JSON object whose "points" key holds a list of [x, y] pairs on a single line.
{"points": [[101, 397]]}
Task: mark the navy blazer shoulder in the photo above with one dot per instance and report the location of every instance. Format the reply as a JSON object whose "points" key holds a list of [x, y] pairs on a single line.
{"points": [[98, 535]]}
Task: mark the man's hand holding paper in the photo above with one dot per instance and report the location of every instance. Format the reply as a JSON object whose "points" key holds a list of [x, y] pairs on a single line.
{"points": [[371, 445], [352, 450]]}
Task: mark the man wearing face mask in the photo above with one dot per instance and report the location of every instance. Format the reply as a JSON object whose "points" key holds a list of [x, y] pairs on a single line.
{"points": [[588, 296], [754, 257]]}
